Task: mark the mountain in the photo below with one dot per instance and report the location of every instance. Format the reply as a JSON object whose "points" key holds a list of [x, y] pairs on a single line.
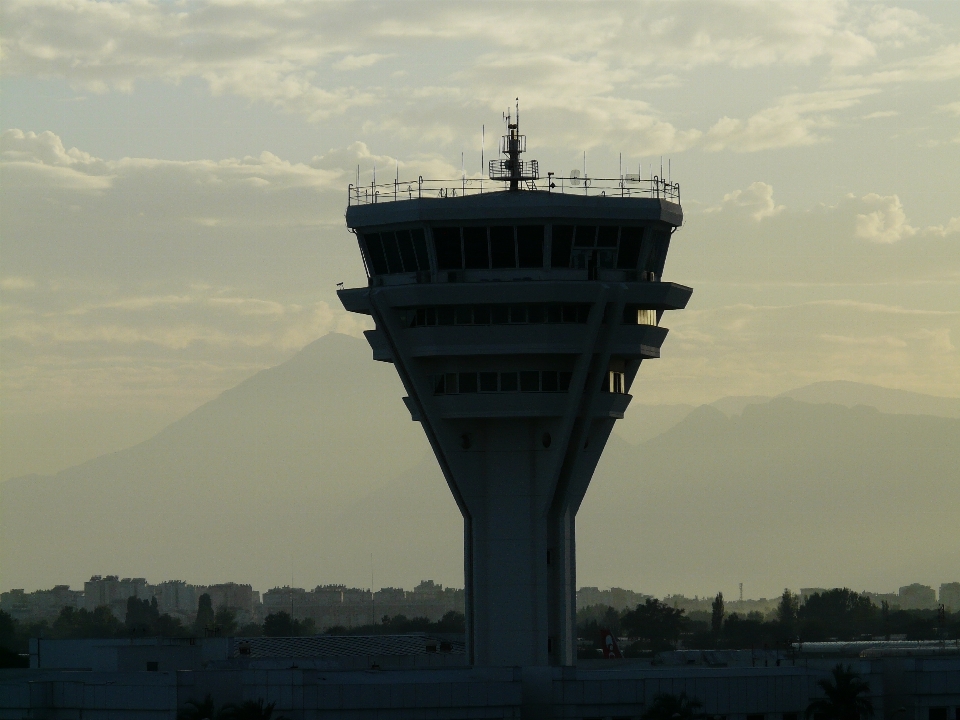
{"points": [[786, 494], [313, 472], [644, 422], [241, 487], [899, 402]]}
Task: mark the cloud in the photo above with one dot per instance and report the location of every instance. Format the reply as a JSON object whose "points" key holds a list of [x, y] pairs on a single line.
{"points": [[31, 158], [951, 226], [794, 121], [887, 223], [589, 63], [940, 65], [756, 199], [749, 349], [952, 108], [355, 62], [14, 283]]}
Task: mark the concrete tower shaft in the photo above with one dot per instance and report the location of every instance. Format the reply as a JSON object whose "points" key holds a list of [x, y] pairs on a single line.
{"points": [[517, 322]]}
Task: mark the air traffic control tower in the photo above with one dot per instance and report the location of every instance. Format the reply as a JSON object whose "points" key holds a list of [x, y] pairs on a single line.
{"points": [[517, 311]]}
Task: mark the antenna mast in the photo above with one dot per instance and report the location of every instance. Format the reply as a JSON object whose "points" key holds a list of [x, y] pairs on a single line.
{"points": [[513, 169]]}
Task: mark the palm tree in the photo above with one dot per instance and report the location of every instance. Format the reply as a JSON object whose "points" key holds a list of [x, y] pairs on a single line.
{"points": [[250, 710], [674, 707], [843, 697], [197, 710]]}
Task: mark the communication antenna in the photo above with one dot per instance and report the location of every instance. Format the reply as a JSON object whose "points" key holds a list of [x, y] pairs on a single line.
{"points": [[669, 171], [661, 167], [621, 166], [374, 174], [512, 145], [741, 592], [483, 130]]}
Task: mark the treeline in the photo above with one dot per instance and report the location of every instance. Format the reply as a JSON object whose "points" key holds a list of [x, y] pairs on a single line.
{"points": [[143, 619], [839, 614]]}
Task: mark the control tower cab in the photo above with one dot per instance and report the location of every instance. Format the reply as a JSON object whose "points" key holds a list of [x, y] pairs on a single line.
{"points": [[517, 312]]}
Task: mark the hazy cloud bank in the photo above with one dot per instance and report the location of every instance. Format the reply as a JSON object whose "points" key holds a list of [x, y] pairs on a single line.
{"points": [[587, 67]]}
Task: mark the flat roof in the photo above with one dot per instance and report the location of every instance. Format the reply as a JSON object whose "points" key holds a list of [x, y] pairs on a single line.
{"points": [[519, 205]]}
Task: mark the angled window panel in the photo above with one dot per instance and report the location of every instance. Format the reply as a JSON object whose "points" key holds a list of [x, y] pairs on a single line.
{"points": [[562, 244], [407, 254], [503, 249], [607, 236], [475, 253], [629, 253], [530, 246], [375, 253], [446, 241], [420, 248], [586, 236], [392, 252]]}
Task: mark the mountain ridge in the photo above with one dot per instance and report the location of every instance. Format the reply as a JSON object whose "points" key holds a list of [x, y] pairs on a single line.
{"points": [[259, 484]]}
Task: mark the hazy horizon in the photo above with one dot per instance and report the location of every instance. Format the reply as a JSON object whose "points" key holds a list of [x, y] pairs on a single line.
{"points": [[173, 187]]}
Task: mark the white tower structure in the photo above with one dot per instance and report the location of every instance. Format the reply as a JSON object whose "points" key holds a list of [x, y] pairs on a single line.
{"points": [[517, 320]]}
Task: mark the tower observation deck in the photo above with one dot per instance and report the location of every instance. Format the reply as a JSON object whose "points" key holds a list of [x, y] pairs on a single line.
{"points": [[517, 317]]}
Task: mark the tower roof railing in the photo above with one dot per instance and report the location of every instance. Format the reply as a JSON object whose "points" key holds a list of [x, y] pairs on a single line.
{"points": [[628, 186]]}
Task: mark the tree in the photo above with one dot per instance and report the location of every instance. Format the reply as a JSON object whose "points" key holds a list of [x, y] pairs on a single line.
{"points": [[9, 630], [674, 707], [251, 710], [843, 697], [743, 632], [716, 615], [225, 621], [73, 623], [143, 616], [655, 621], [198, 710], [205, 615], [839, 613], [787, 612], [278, 624], [282, 625]]}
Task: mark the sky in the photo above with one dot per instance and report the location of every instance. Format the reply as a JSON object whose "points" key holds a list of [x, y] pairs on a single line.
{"points": [[174, 179]]}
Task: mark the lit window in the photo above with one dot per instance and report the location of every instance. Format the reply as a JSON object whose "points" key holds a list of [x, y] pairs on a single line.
{"points": [[646, 317]]}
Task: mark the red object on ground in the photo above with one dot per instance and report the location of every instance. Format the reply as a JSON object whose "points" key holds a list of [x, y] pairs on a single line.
{"points": [[611, 650]]}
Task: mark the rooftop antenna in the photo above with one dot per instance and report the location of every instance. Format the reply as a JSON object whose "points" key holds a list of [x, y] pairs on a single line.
{"points": [[621, 166], [513, 144], [483, 129], [741, 592], [669, 171], [661, 167]]}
